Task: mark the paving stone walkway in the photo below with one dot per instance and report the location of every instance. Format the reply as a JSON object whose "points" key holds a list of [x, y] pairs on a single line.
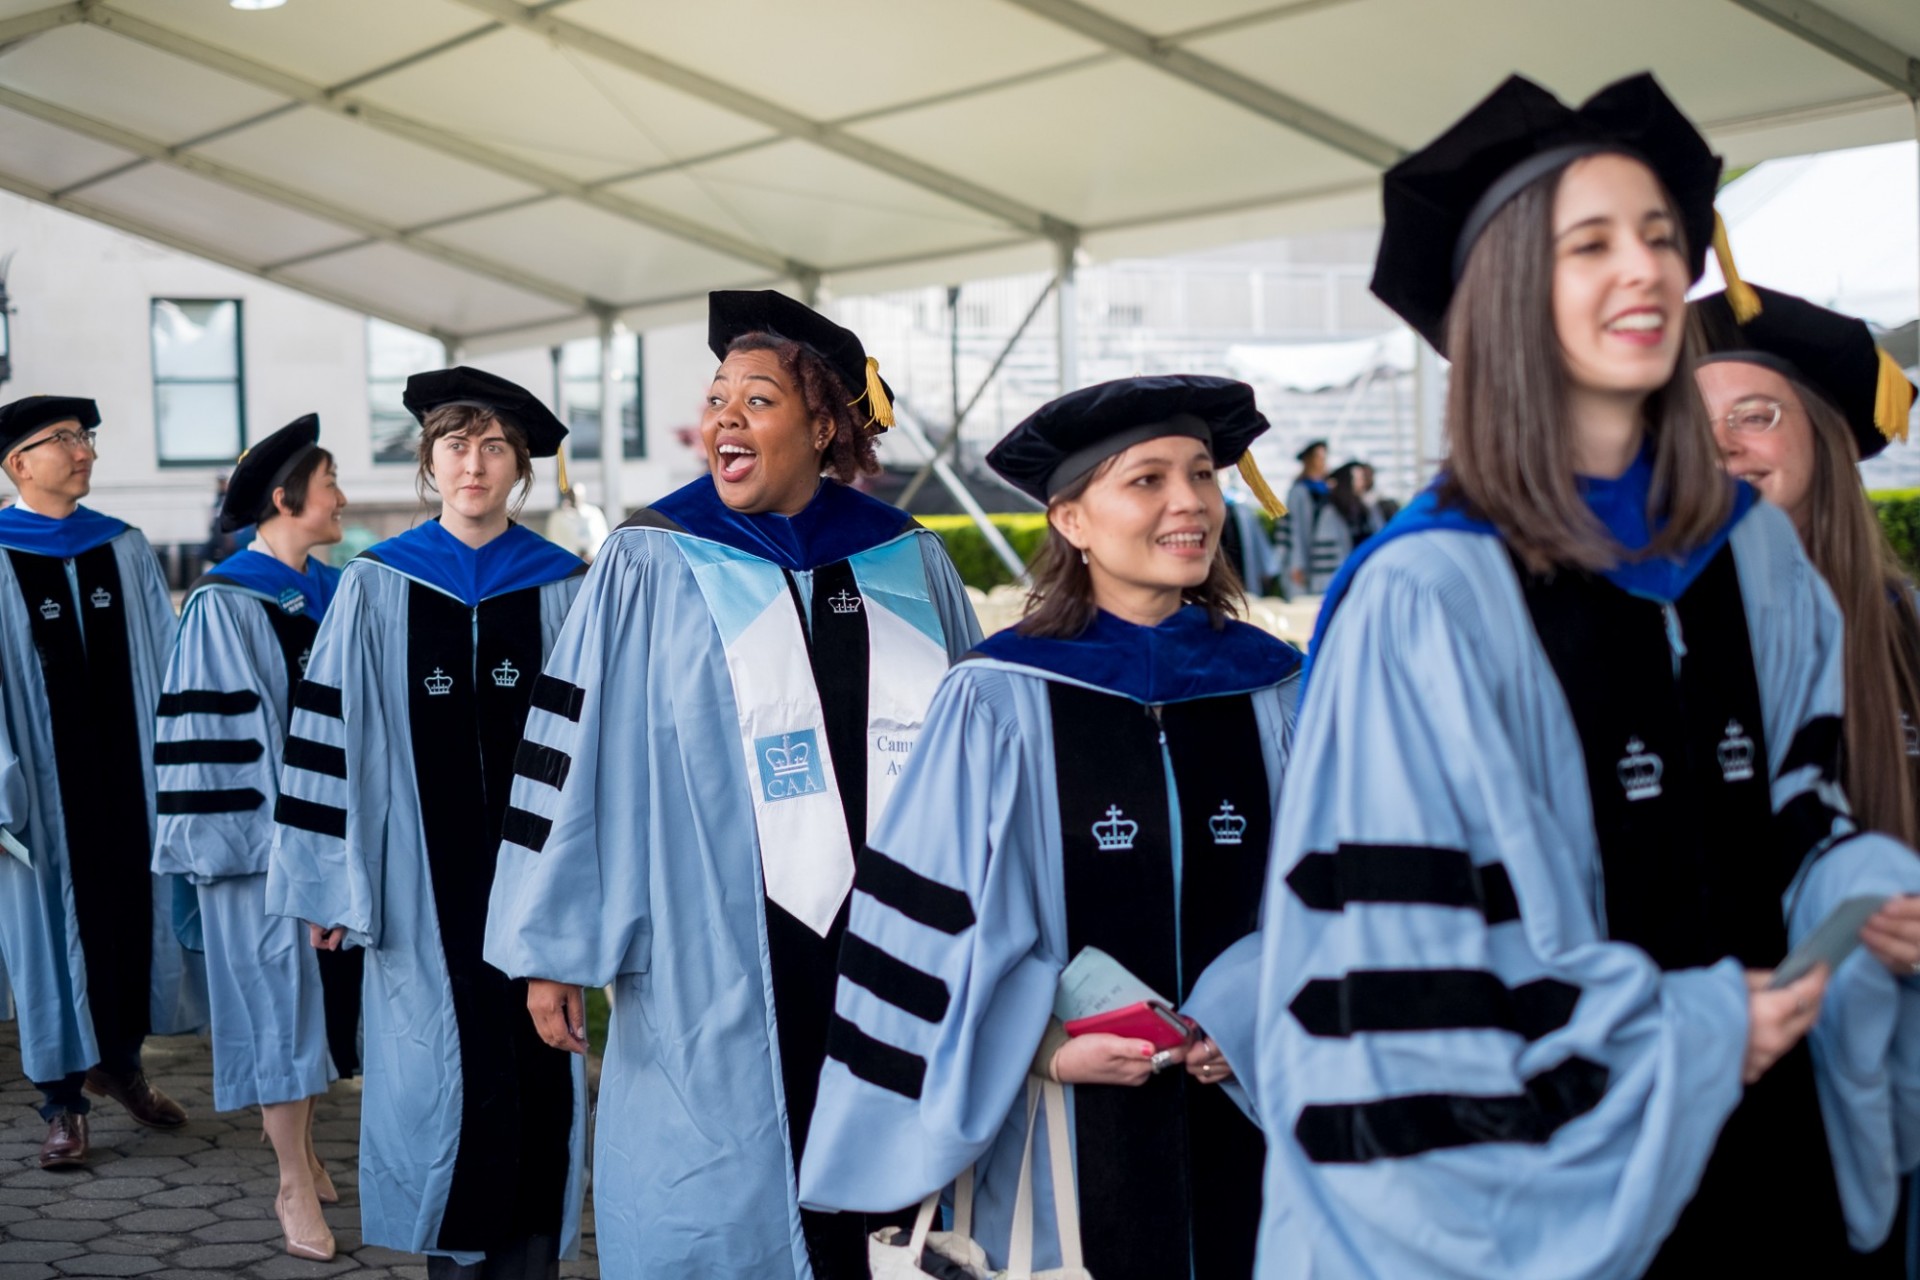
{"points": [[193, 1204]]}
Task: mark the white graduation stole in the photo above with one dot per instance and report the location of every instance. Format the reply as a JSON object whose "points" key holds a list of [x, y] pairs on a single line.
{"points": [[806, 852]]}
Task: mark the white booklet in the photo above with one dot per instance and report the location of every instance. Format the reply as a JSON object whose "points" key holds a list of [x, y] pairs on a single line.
{"points": [[1094, 982]]}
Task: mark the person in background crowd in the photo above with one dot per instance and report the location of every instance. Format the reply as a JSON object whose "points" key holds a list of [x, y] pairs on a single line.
{"points": [[246, 635], [89, 935], [1346, 519], [1104, 775], [392, 805], [721, 722], [1294, 531], [1567, 774], [1248, 547]]}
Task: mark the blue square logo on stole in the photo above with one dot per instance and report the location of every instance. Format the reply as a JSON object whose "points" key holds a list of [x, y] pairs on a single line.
{"points": [[789, 765]]}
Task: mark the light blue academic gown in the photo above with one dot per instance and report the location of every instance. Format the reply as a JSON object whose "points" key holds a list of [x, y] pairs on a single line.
{"points": [[977, 822], [39, 938], [367, 867], [650, 878], [1434, 724], [222, 727]]}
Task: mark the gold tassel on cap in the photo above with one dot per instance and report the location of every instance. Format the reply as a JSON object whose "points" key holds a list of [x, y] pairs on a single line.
{"points": [[560, 459], [879, 408], [1740, 295], [1893, 400], [1269, 501]]}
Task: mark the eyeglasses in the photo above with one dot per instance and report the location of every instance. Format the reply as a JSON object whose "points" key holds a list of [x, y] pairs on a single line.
{"points": [[68, 440], [1754, 415]]}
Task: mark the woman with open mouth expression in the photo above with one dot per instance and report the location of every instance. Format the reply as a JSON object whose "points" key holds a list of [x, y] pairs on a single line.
{"points": [[723, 718], [1565, 788], [1102, 775]]}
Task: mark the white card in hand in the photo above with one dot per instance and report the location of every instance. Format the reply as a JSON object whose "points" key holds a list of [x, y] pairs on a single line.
{"points": [[1094, 982], [1831, 941]]}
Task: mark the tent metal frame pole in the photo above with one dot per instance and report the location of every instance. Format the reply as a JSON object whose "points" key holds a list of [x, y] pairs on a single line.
{"points": [[1828, 31], [908, 427], [1066, 330], [612, 445]]}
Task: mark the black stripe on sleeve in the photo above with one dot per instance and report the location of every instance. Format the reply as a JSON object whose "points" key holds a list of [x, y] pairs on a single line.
{"points": [[209, 751], [321, 819], [238, 800], [316, 757], [1379, 1000], [913, 895], [321, 699], [542, 763], [208, 702], [1818, 744], [893, 980], [1406, 875], [558, 697], [1395, 1128], [876, 1061], [529, 830]]}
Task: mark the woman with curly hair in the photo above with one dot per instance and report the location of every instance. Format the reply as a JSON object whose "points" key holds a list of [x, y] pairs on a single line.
{"points": [[723, 717]]}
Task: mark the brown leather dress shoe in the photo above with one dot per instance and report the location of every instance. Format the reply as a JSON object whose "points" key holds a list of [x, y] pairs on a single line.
{"points": [[66, 1144], [146, 1104]]}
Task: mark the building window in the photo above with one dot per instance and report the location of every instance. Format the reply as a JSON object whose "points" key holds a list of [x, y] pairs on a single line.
{"points": [[199, 393], [393, 355], [580, 386]]}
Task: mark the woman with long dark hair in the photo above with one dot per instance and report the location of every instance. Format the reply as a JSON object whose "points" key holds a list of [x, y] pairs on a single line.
{"points": [[1565, 786], [1100, 776], [392, 805]]}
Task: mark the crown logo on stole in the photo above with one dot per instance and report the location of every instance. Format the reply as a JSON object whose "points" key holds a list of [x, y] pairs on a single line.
{"points": [[48, 609], [1736, 754], [439, 684], [102, 598], [845, 602], [1116, 834], [788, 759], [506, 675], [1640, 771], [1228, 827]]}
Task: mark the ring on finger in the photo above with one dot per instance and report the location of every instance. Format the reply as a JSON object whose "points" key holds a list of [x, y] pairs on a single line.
{"points": [[1160, 1061]]}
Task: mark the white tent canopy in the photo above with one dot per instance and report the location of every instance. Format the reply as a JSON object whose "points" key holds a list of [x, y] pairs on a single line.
{"points": [[502, 174]]}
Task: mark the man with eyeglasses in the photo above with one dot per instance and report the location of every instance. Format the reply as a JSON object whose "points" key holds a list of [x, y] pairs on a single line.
{"points": [[89, 936]]}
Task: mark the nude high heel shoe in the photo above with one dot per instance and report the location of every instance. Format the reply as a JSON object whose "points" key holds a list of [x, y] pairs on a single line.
{"points": [[320, 1250]]}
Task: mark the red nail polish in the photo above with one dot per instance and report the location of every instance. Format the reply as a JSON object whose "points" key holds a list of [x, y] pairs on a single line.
{"points": [[1147, 1051]]}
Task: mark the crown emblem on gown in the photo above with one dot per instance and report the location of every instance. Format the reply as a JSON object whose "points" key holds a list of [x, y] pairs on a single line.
{"points": [[438, 684], [101, 597], [48, 609], [1228, 827], [1736, 754], [788, 758], [1116, 834], [506, 675], [1640, 771], [845, 602]]}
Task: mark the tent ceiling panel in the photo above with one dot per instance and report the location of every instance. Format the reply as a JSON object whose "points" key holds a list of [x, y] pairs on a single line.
{"points": [[1895, 21], [1716, 59], [816, 206], [1161, 19], [445, 298], [246, 228], [596, 252], [50, 156], [869, 54], [1123, 141], [346, 164], [98, 74], [330, 42], [559, 108], [14, 8]]}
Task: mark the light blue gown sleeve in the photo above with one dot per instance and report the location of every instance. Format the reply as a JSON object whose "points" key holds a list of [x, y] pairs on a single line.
{"points": [[945, 985], [1534, 1101], [329, 845], [957, 620], [213, 743], [574, 904]]}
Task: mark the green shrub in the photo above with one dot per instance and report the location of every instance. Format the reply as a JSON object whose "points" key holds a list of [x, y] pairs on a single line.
{"points": [[974, 558], [1899, 511]]}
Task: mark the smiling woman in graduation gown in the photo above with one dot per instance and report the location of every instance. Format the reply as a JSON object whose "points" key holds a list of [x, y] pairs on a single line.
{"points": [[398, 765], [1565, 785], [722, 719], [1102, 775], [245, 637]]}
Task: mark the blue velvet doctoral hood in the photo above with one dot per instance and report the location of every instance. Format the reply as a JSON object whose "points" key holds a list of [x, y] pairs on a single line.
{"points": [[38, 535], [838, 523], [255, 571], [1182, 658], [514, 561], [1621, 505]]}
